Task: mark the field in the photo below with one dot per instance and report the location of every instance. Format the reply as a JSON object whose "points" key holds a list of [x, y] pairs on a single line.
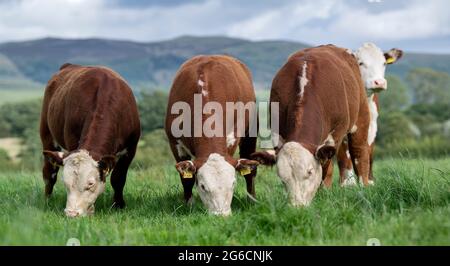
{"points": [[409, 205], [13, 95]]}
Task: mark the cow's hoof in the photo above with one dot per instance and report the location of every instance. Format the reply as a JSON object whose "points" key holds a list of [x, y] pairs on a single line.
{"points": [[190, 201], [119, 204], [349, 181]]}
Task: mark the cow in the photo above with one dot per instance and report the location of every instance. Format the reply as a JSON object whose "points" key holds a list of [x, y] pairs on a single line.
{"points": [[372, 63], [321, 100], [207, 160], [89, 126]]}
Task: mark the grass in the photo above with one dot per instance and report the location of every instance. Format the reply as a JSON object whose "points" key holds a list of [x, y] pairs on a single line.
{"points": [[409, 205]]}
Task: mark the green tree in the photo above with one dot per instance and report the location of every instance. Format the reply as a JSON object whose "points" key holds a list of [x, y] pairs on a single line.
{"points": [[394, 127], [396, 97], [429, 86], [18, 117], [152, 109]]}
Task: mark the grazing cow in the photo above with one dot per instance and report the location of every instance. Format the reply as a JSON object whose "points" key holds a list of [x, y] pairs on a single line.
{"points": [[90, 125], [204, 159], [372, 65], [321, 100]]}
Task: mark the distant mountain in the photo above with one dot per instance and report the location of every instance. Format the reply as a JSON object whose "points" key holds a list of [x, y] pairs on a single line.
{"points": [[153, 65]]}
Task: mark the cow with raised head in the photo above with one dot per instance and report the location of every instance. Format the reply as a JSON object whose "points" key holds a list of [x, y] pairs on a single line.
{"points": [[372, 62], [207, 83], [321, 100], [89, 126]]}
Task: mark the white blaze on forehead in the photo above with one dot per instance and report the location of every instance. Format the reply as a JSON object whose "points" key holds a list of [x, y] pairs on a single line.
{"points": [[230, 139], [303, 80], [215, 183], [373, 67], [300, 172], [80, 170], [373, 126]]}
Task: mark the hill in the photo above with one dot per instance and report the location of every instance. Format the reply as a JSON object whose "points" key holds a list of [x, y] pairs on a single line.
{"points": [[153, 65]]}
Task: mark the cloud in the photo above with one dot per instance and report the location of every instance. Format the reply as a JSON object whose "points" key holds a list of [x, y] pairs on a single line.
{"points": [[347, 23]]}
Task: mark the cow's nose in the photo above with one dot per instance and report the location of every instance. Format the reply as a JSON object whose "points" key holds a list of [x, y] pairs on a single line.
{"points": [[380, 83], [72, 213]]}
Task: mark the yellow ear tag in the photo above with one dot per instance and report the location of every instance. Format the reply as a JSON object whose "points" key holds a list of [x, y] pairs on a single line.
{"points": [[390, 60], [187, 174], [245, 171]]}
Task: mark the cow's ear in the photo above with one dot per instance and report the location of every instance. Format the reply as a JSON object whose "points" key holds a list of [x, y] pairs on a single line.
{"points": [[264, 157], [54, 157], [245, 166], [325, 152], [186, 169], [106, 164], [393, 55]]}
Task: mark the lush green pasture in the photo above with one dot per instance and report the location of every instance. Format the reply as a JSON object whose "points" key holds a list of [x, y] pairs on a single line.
{"points": [[409, 205]]}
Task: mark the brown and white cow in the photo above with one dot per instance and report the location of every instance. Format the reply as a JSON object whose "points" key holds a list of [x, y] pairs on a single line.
{"points": [[372, 66], [321, 100], [207, 159], [90, 126]]}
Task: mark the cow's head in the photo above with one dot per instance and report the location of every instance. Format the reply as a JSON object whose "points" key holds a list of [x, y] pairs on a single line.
{"points": [[215, 179], [299, 170], [84, 179], [372, 65]]}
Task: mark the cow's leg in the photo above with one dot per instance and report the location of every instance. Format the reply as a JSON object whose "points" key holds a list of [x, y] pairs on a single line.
{"points": [[327, 174], [246, 148], [49, 171], [346, 177], [188, 183], [119, 175], [359, 152], [371, 177]]}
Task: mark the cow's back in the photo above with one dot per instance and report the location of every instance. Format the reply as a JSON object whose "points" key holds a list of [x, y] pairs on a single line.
{"points": [[214, 78], [81, 99], [326, 77]]}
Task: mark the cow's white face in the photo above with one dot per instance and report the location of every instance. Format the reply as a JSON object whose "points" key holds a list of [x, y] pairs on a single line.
{"points": [[216, 179], [81, 177], [372, 65], [300, 172]]}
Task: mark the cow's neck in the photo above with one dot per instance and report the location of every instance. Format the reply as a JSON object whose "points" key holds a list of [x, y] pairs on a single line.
{"points": [[308, 126], [373, 110], [203, 147], [98, 139]]}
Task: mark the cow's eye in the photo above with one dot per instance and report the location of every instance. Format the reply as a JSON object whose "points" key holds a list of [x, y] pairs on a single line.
{"points": [[361, 63], [202, 187], [90, 185]]}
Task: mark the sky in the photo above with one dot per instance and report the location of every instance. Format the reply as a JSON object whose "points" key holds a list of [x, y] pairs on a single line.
{"points": [[412, 25]]}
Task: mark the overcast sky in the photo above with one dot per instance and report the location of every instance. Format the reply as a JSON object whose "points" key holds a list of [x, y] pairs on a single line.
{"points": [[413, 25]]}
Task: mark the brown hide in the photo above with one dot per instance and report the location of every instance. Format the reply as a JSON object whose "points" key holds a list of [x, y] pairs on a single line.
{"points": [[90, 108], [334, 100], [226, 80]]}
